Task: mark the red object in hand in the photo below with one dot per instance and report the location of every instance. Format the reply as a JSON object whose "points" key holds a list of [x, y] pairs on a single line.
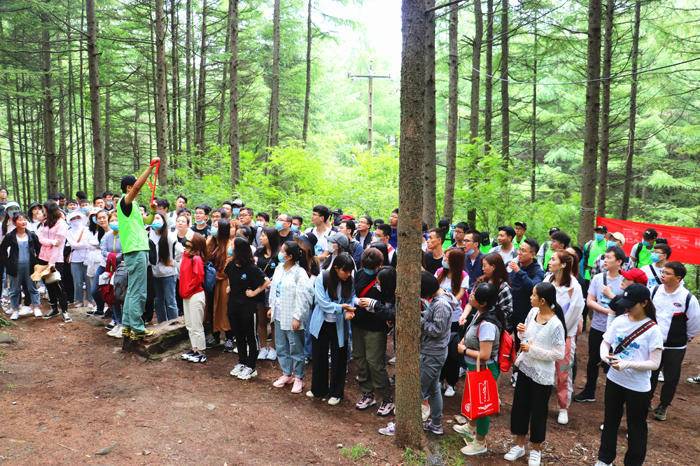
{"points": [[154, 163], [480, 397]]}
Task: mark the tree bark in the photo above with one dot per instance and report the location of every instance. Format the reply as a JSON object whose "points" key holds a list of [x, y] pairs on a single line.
{"points": [[409, 432], [488, 82], [175, 76], [605, 109], [624, 210], [10, 130], [307, 91], [475, 81], [96, 120], [188, 79], [273, 139], [201, 89], [590, 146], [82, 164], [71, 106], [505, 98], [224, 85], [49, 136], [62, 148], [161, 96], [429, 157], [533, 135], [233, 95], [108, 138], [452, 115]]}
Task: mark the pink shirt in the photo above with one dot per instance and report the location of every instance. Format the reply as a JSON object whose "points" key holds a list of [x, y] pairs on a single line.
{"points": [[53, 241]]}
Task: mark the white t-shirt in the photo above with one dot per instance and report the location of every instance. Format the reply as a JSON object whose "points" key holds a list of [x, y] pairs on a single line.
{"points": [[638, 350], [447, 282], [669, 304], [653, 275]]}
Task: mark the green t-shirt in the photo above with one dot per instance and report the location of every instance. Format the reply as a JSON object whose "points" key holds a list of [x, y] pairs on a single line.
{"points": [[132, 231], [596, 249], [485, 249], [516, 243], [548, 253], [643, 254]]}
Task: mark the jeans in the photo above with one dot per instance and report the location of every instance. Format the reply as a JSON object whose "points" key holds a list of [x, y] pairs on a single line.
{"points": [[135, 300], [530, 408], [166, 300], [290, 350], [484, 423], [117, 313], [369, 352], [430, 367], [16, 283], [616, 398], [671, 361], [79, 272], [95, 289]]}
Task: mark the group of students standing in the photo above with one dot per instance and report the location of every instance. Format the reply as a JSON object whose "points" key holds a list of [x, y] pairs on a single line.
{"points": [[327, 294]]}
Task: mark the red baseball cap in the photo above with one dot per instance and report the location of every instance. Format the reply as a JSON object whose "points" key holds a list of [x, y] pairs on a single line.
{"points": [[635, 275]]}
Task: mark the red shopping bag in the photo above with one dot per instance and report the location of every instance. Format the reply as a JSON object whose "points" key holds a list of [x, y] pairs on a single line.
{"points": [[480, 397]]}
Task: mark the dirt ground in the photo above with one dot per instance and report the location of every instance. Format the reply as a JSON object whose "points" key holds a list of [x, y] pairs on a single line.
{"points": [[69, 396]]}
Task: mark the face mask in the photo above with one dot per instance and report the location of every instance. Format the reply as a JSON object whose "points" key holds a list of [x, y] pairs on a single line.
{"points": [[236, 211], [279, 225], [280, 257], [469, 252], [213, 231], [330, 248], [611, 244], [295, 228], [259, 224], [655, 257], [109, 205], [75, 224], [114, 226], [445, 265], [369, 271], [599, 236], [646, 243], [157, 225], [93, 220], [200, 222], [84, 210]]}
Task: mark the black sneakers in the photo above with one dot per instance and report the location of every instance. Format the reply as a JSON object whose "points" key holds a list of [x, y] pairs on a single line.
{"points": [[52, 314], [583, 397]]}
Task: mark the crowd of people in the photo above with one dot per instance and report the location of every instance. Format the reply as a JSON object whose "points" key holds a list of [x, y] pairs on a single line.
{"points": [[315, 297]]}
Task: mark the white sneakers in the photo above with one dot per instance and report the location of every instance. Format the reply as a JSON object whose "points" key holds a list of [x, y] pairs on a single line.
{"points": [[247, 373], [37, 312], [563, 417], [449, 391], [262, 354], [236, 370], [15, 315], [116, 331], [516, 452], [271, 354], [333, 401], [600, 463], [425, 412]]}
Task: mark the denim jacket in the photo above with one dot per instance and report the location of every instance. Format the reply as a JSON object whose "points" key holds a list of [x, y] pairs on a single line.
{"points": [[325, 305]]}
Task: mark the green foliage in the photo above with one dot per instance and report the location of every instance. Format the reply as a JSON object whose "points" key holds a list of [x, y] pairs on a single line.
{"points": [[355, 452], [414, 458]]}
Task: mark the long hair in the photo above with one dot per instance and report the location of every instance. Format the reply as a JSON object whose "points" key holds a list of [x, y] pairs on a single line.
{"points": [[242, 255], [500, 274], [650, 310], [548, 292], [292, 249], [273, 240], [563, 276], [387, 280], [163, 246], [486, 293], [219, 244], [308, 260], [342, 262], [199, 245], [455, 260], [53, 214]]}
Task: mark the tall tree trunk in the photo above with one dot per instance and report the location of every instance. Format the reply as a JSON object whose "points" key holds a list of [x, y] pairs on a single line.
{"points": [[62, 148], [49, 136], [71, 106], [429, 158], [488, 85], [533, 136], [307, 91], [590, 146], [161, 96], [108, 139], [452, 115], [233, 95], [624, 210], [96, 119], [505, 99], [475, 78], [135, 141], [82, 164], [188, 79], [21, 140], [10, 130], [175, 70], [605, 109], [224, 86], [273, 139], [414, 25], [201, 90]]}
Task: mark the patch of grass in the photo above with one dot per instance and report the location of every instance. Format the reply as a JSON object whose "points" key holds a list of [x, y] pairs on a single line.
{"points": [[355, 452], [449, 447], [413, 457], [4, 322]]}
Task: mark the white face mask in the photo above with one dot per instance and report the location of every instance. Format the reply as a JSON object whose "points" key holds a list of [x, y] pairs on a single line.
{"points": [[76, 224]]}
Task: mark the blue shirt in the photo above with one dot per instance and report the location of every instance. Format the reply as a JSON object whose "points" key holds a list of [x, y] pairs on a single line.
{"points": [[324, 307]]}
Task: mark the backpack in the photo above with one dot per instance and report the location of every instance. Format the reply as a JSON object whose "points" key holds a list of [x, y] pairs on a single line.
{"points": [[120, 281], [209, 277], [506, 352]]}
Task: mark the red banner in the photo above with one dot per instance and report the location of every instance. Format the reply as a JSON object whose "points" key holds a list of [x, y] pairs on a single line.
{"points": [[684, 241]]}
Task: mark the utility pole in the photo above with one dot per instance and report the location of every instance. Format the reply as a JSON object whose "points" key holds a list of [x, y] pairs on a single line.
{"points": [[369, 77]]}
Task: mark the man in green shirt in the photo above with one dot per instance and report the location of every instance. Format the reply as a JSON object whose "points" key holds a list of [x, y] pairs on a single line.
{"points": [[520, 229], [134, 241], [592, 250], [641, 252]]}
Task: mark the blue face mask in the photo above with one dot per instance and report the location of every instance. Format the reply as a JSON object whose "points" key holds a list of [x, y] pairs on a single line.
{"points": [[279, 225], [445, 265], [599, 236], [469, 252], [114, 226], [213, 231], [157, 225], [295, 228], [259, 224], [611, 244], [654, 257], [646, 243], [369, 271], [280, 257], [84, 210], [236, 211]]}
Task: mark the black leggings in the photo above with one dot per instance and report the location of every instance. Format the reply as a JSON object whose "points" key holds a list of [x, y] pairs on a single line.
{"points": [[530, 408], [56, 295], [616, 399], [244, 322], [595, 338], [450, 370]]}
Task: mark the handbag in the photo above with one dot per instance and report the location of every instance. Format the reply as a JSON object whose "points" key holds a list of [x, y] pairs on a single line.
{"points": [[480, 398]]}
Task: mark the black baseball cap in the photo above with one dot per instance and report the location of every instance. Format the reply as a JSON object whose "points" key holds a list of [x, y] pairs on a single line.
{"points": [[521, 224], [601, 228], [650, 233], [633, 294], [553, 230]]}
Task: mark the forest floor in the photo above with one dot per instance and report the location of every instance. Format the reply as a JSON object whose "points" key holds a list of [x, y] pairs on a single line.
{"points": [[69, 396]]}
